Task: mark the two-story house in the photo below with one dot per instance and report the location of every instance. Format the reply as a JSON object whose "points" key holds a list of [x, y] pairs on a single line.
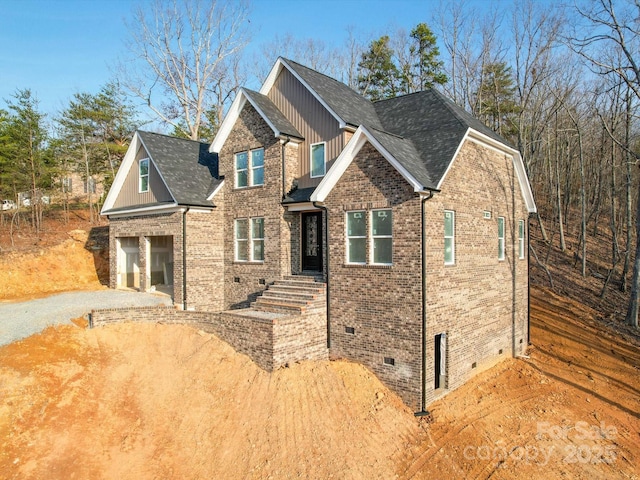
{"points": [[411, 211]]}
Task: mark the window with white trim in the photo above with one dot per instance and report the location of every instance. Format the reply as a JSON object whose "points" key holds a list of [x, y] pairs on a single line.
{"points": [[449, 237], [249, 168], [500, 238], [381, 237], [521, 239], [249, 239], [318, 160], [143, 175], [375, 229], [257, 239], [357, 237]]}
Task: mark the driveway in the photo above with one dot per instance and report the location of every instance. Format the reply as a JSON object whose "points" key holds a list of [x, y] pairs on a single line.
{"points": [[20, 320]]}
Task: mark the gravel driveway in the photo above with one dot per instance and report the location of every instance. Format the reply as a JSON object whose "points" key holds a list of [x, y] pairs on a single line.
{"points": [[20, 320]]}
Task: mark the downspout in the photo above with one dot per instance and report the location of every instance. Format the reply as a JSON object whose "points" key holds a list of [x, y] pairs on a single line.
{"points": [[284, 172], [423, 243], [328, 290], [184, 258]]}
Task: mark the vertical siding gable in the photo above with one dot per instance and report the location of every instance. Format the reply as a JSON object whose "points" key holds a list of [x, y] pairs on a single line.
{"points": [[129, 195], [311, 119]]}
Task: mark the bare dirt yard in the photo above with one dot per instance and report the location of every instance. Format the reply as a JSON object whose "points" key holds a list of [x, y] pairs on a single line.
{"points": [[167, 401]]}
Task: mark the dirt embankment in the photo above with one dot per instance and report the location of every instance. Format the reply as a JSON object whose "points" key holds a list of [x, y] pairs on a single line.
{"points": [[66, 256], [166, 401]]}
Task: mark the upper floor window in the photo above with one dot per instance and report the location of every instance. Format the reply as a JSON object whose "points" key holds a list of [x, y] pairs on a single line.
{"points": [[318, 161], [521, 239], [249, 168], [377, 233], [143, 175], [449, 237], [500, 238]]}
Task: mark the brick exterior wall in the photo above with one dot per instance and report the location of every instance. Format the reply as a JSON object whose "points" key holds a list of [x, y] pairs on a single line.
{"points": [[166, 224], [383, 304], [205, 259], [205, 237], [472, 301], [270, 340], [246, 280]]}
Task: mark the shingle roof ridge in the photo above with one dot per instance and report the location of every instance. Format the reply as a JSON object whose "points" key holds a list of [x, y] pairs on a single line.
{"points": [[342, 84], [172, 137], [368, 127]]}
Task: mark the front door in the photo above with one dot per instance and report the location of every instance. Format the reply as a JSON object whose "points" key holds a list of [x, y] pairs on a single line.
{"points": [[312, 241]]}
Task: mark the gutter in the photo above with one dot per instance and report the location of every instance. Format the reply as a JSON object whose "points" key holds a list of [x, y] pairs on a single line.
{"points": [[423, 240], [328, 290]]}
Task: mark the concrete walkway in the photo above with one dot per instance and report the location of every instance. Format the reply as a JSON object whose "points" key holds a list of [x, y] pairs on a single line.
{"points": [[20, 320]]}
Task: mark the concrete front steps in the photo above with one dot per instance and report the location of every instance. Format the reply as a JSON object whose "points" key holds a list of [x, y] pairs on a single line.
{"points": [[293, 295]]}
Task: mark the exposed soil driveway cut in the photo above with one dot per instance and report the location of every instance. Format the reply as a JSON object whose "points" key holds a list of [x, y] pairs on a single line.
{"points": [[22, 319]]}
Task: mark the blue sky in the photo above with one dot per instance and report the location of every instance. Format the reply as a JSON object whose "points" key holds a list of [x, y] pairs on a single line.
{"points": [[59, 47]]}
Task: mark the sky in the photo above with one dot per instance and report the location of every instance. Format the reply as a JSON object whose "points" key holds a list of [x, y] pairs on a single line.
{"points": [[60, 47]]}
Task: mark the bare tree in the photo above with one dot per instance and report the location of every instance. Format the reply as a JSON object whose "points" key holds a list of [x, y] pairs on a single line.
{"points": [[186, 60], [612, 47]]}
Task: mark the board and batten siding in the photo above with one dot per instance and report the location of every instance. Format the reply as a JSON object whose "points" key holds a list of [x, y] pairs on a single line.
{"points": [[129, 194], [311, 119]]}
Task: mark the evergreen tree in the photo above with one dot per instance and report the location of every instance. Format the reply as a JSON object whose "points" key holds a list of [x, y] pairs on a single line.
{"points": [[377, 74], [27, 163], [422, 68], [496, 99]]}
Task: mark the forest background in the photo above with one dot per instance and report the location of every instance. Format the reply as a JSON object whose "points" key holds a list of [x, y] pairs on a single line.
{"points": [[559, 81]]}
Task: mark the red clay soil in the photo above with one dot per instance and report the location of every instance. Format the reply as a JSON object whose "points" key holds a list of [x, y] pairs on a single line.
{"points": [[137, 401], [167, 401]]}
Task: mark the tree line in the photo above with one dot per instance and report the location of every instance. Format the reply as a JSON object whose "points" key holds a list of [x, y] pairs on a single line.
{"points": [[560, 83]]}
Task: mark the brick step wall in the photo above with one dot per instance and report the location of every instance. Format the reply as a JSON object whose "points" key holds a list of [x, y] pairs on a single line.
{"points": [[295, 294]]}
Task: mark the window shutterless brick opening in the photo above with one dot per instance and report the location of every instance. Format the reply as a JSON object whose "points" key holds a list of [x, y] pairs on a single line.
{"points": [[350, 330], [389, 361]]}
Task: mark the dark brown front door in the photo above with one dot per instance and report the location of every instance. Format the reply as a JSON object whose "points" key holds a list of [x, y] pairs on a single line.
{"points": [[312, 241]]}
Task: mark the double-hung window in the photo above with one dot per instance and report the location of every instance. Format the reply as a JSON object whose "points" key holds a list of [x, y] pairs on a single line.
{"points": [[249, 239], [500, 238], [143, 175], [520, 239], [318, 160], [375, 229], [449, 237], [357, 237], [249, 168], [381, 237]]}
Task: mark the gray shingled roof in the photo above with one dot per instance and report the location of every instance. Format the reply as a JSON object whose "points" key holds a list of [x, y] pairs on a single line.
{"points": [[434, 125], [299, 195], [348, 104], [187, 167], [273, 114]]}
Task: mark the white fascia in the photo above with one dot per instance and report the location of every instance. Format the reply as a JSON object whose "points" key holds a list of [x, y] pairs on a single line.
{"points": [[493, 144], [121, 175], [273, 75], [213, 194], [228, 122], [136, 211], [302, 207], [360, 137]]}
